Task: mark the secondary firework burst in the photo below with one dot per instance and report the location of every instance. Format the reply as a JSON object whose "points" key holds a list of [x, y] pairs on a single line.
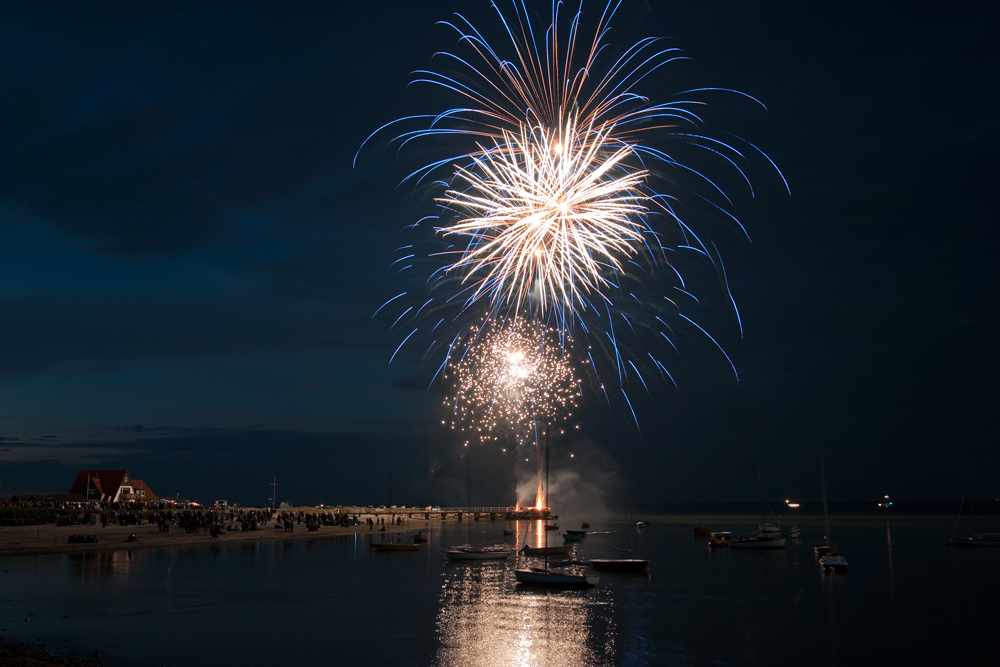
{"points": [[511, 381], [510, 378]]}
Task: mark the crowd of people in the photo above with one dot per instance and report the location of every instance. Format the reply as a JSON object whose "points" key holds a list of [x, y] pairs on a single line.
{"points": [[193, 519]]}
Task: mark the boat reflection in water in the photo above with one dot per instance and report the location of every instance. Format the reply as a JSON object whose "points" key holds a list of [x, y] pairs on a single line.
{"points": [[485, 619]]}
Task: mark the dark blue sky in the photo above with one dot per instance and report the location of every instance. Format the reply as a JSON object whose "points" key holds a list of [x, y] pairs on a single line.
{"points": [[189, 263]]}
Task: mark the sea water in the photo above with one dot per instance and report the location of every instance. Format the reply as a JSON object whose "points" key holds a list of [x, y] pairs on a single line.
{"points": [[330, 601]]}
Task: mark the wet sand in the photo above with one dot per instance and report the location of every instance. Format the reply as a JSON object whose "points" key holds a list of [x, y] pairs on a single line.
{"points": [[51, 539]]}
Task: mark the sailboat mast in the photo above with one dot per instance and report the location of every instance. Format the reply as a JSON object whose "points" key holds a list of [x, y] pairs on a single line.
{"points": [[547, 513], [968, 492], [760, 485], [826, 515]]}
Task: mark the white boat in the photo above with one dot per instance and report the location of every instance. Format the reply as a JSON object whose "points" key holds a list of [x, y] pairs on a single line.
{"points": [[641, 524], [469, 553], [833, 564], [761, 541], [540, 576], [768, 527]]}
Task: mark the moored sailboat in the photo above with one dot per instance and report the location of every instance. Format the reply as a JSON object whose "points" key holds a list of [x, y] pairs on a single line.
{"points": [[544, 576]]}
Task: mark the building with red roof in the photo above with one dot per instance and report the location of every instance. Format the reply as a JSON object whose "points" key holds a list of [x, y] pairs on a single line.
{"points": [[110, 486]]}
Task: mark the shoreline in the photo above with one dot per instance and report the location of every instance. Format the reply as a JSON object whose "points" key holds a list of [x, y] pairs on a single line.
{"points": [[13, 652], [50, 539]]}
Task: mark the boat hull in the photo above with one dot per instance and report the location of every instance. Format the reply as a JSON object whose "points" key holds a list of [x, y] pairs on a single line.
{"points": [[538, 577], [395, 547], [560, 550], [475, 554], [991, 541], [758, 543], [620, 565], [833, 564]]}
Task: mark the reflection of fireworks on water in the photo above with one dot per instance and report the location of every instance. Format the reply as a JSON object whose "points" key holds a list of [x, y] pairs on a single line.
{"points": [[558, 212], [511, 378]]}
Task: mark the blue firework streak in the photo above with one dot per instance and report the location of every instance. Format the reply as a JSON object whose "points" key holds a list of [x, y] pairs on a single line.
{"points": [[564, 205]]}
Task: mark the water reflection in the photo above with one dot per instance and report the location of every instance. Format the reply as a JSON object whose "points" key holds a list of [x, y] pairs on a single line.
{"points": [[485, 619], [105, 563]]}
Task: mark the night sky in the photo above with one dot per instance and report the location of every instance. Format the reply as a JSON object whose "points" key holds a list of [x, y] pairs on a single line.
{"points": [[189, 263]]}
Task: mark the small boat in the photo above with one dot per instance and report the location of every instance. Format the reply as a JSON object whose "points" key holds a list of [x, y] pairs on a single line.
{"points": [[576, 532], [552, 526], [562, 549], [641, 524], [702, 531], [507, 532], [825, 550], [420, 537], [720, 539], [620, 565], [977, 540], [386, 546], [540, 576], [768, 527], [833, 564], [761, 541], [584, 525], [469, 553], [570, 536]]}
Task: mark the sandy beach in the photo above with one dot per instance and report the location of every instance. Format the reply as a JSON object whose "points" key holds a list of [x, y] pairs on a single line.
{"points": [[51, 539]]}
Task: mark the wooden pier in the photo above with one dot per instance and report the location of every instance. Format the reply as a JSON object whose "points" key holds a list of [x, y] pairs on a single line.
{"points": [[444, 513]]}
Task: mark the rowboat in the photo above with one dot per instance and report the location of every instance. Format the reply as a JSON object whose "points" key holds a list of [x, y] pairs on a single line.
{"points": [[570, 536], [540, 576], [702, 531], [576, 532]]}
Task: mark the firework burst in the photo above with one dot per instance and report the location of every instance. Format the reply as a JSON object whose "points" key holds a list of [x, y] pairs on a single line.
{"points": [[563, 206], [510, 377]]}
